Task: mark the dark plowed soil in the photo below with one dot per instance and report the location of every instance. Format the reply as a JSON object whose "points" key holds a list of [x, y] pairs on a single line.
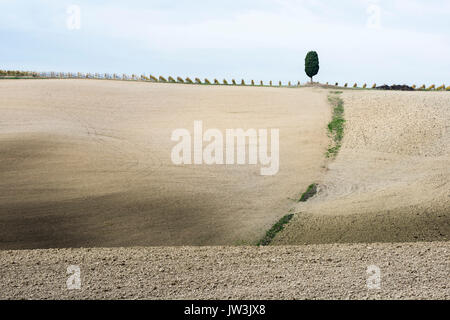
{"points": [[337, 271]]}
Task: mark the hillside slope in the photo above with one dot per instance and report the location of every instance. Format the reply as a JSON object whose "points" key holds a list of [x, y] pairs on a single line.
{"points": [[390, 181], [87, 163]]}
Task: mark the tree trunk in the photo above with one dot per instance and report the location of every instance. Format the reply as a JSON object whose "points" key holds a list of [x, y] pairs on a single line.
{"points": [[311, 80]]}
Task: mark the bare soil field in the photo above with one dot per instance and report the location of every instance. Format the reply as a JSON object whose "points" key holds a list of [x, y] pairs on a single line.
{"points": [[86, 163], [391, 179], [416, 270]]}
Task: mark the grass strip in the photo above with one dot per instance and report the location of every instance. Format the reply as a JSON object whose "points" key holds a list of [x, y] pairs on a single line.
{"points": [[310, 191], [336, 125], [277, 227]]}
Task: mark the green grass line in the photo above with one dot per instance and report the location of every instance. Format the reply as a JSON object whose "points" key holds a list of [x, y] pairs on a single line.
{"points": [[336, 125], [310, 192], [272, 232]]}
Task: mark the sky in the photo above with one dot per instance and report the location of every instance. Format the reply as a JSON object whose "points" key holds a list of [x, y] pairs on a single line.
{"points": [[372, 41]]}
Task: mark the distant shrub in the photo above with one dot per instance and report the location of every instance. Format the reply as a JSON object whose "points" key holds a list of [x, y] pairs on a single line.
{"points": [[253, 83], [279, 83], [225, 81], [188, 80], [441, 87], [233, 81], [180, 80], [207, 81], [345, 85], [270, 83], [448, 88], [216, 81], [422, 87], [152, 78], [197, 80], [364, 85], [171, 79], [162, 79], [413, 86], [289, 83], [431, 87], [242, 82], [261, 83], [336, 84], [355, 85]]}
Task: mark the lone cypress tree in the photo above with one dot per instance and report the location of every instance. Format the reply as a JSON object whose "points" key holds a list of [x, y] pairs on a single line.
{"points": [[311, 64]]}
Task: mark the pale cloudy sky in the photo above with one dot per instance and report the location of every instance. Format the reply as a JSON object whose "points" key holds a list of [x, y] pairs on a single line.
{"points": [[391, 41]]}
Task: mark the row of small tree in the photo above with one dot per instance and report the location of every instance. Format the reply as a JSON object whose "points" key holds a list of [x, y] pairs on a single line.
{"points": [[311, 69], [216, 81]]}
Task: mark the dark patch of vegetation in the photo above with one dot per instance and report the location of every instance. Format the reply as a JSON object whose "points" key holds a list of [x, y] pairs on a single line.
{"points": [[15, 74], [310, 192], [395, 87], [277, 227]]}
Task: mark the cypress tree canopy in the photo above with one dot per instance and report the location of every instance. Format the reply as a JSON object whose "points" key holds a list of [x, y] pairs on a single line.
{"points": [[311, 64]]}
